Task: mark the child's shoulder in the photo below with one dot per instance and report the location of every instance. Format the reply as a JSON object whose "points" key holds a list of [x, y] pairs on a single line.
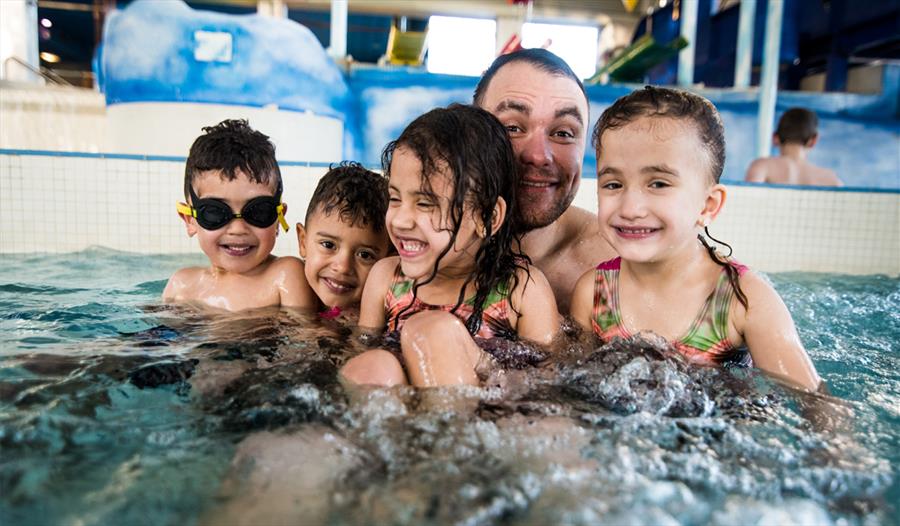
{"points": [[287, 275], [385, 266], [182, 282], [530, 281], [759, 291], [286, 263]]}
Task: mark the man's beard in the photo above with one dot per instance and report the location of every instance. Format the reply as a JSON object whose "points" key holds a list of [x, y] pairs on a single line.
{"points": [[532, 216]]}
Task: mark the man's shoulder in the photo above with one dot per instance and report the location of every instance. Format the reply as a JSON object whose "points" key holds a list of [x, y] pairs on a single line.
{"points": [[760, 169], [574, 240], [580, 231]]}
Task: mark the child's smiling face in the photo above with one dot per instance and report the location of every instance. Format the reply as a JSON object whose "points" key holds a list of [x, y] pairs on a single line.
{"points": [[653, 188], [419, 224], [338, 257], [238, 247]]}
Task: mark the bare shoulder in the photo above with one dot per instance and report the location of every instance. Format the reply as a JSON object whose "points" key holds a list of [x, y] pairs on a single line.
{"points": [[181, 283], [586, 281], [530, 277], [286, 263], [826, 177], [534, 313], [385, 266], [382, 272], [582, 302], [371, 308], [761, 295], [582, 236], [756, 172], [287, 276]]}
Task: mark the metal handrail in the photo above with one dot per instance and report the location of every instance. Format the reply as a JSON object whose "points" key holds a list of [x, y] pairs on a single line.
{"points": [[46, 73]]}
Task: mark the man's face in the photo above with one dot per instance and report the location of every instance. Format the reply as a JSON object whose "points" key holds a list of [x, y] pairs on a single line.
{"points": [[545, 116]]}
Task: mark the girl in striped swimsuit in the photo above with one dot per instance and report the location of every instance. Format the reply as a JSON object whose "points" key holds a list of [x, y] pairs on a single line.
{"points": [[458, 276], [660, 154]]}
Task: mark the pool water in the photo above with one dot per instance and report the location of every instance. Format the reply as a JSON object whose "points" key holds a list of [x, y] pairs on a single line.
{"points": [[115, 409]]}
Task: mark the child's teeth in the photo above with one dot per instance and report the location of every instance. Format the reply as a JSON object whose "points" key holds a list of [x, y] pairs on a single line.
{"points": [[413, 246]]}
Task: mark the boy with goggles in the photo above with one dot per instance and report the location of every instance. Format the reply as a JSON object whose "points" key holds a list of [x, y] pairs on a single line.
{"points": [[233, 186]]}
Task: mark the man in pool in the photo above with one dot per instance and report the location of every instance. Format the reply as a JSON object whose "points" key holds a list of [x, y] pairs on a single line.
{"points": [[543, 105], [796, 135]]}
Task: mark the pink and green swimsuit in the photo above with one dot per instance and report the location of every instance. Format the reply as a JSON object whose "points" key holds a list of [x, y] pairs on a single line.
{"points": [[707, 339], [494, 317]]}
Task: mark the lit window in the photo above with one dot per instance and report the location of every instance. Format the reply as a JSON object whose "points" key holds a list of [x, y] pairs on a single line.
{"points": [[461, 46], [577, 45]]}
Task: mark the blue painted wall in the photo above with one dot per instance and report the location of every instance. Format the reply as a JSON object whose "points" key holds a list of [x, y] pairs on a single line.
{"points": [[148, 55]]}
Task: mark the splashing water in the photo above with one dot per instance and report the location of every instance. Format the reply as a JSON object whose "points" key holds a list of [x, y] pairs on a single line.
{"points": [[117, 409]]}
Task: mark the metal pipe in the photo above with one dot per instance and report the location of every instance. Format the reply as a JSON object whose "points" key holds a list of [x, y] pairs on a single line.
{"points": [[743, 62], [768, 83], [688, 17], [338, 37]]}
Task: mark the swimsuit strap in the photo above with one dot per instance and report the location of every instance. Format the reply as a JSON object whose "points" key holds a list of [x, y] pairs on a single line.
{"points": [[606, 318], [710, 327], [399, 295], [495, 313]]}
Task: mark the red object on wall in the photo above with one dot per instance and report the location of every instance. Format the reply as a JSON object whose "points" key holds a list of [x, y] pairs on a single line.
{"points": [[513, 44]]}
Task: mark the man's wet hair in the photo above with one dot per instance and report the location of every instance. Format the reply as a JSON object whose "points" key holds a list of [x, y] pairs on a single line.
{"points": [[797, 125], [541, 59], [358, 195], [230, 146]]}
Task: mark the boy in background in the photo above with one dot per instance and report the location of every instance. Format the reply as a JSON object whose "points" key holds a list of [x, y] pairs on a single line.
{"points": [[796, 135], [233, 188]]}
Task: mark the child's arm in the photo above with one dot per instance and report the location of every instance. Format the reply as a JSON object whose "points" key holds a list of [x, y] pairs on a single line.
{"points": [[293, 288], [538, 318], [769, 333], [371, 307], [582, 304]]}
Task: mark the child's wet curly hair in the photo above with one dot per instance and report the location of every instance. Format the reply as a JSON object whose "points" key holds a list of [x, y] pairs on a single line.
{"points": [[229, 146], [473, 148], [359, 196]]}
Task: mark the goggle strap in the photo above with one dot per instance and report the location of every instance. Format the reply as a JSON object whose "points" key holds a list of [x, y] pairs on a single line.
{"points": [[186, 209], [281, 219]]}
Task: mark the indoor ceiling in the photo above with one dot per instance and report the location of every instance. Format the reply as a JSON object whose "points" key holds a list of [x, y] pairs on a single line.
{"points": [[600, 10]]}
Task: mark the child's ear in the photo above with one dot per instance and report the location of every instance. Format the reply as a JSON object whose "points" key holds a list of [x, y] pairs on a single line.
{"points": [[776, 142], [812, 141], [190, 224], [301, 240], [497, 217], [715, 200]]}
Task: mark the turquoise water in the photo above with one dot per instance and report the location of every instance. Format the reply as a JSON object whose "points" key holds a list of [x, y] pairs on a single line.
{"points": [[115, 409]]}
